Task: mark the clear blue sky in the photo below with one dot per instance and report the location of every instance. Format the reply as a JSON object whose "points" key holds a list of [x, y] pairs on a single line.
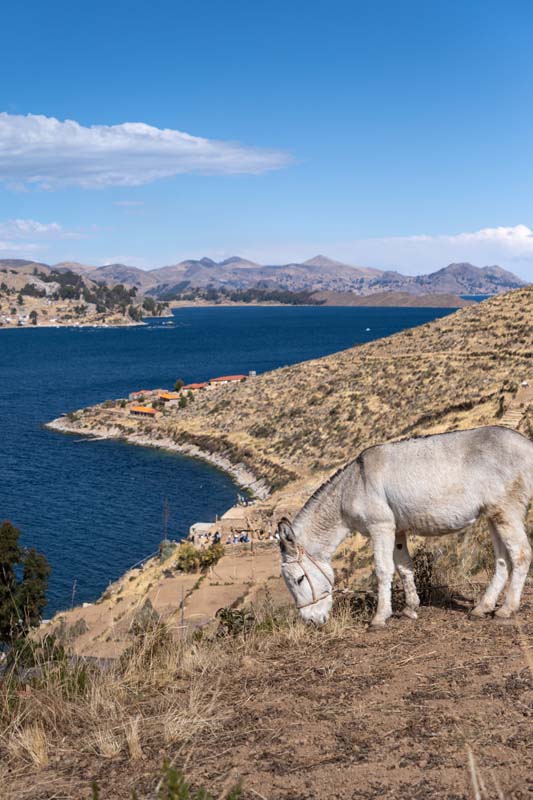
{"points": [[383, 133]]}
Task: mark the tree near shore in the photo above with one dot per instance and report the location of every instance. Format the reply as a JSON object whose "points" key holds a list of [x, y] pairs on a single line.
{"points": [[179, 385], [23, 581]]}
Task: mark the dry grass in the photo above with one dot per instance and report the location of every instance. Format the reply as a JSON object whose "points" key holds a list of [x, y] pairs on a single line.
{"points": [[181, 724], [194, 699], [107, 742], [162, 689], [167, 694], [29, 743], [133, 738]]}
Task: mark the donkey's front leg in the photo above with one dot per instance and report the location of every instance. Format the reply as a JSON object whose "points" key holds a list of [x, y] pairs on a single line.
{"points": [[383, 537]]}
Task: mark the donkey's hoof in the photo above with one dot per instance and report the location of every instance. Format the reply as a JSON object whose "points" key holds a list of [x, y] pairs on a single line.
{"points": [[476, 614], [410, 613], [376, 627], [503, 616], [504, 613]]}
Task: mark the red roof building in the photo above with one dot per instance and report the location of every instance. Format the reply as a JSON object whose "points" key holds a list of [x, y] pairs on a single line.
{"points": [[143, 411], [228, 379], [191, 387]]}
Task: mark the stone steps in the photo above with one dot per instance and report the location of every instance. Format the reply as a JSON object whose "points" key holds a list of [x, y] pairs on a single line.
{"points": [[518, 407]]}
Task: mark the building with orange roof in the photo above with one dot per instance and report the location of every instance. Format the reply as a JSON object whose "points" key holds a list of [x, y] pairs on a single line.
{"points": [[168, 396], [143, 411], [192, 387], [229, 379]]}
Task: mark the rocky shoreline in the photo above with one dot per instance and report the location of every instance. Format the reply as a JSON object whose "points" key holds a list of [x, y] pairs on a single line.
{"points": [[75, 325], [239, 472]]}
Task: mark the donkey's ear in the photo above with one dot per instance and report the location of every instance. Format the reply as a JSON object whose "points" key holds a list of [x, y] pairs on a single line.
{"points": [[287, 539]]}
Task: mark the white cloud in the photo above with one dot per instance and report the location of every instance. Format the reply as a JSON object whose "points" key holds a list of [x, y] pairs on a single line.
{"points": [[49, 153], [7, 248], [510, 247], [514, 239], [30, 228], [19, 232]]}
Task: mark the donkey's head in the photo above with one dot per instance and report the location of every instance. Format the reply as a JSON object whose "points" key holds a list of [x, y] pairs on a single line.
{"points": [[308, 578]]}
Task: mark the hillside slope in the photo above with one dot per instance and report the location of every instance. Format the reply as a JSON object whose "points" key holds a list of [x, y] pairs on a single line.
{"points": [[300, 422], [420, 710]]}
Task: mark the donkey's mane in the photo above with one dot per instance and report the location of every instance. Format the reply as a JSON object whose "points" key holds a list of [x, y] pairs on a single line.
{"points": [[323, 486]]}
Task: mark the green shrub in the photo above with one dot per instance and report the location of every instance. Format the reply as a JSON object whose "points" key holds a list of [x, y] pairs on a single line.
{"points": [[190, 559], [166, 548], [211, 555], [145, 619], [233, 621]]}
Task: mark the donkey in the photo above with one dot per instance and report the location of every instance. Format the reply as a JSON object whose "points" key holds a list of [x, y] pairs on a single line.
{"points": [[429, 486]]}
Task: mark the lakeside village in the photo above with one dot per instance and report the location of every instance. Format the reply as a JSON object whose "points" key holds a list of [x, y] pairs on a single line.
{"points": [[236, 526], [150, 402]]}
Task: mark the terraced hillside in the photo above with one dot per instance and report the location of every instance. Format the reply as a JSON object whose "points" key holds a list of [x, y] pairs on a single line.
{"points": [[317, 415]]}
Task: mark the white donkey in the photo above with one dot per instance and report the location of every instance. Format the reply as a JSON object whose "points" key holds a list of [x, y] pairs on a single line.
{"points": [[428, 486]]}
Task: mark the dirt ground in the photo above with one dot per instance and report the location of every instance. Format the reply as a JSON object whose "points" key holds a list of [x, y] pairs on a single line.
{"points": [[437, 708], [396, 714]]}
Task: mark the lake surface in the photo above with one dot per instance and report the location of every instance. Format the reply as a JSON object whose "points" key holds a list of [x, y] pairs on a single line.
{"points": [[96, 508]]}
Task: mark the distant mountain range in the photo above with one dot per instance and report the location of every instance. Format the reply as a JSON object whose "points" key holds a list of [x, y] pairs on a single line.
{"points": [[317, 274]]}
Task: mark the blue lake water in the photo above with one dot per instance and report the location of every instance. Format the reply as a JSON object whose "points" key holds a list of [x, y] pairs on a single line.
{"points": [[96, 508]]}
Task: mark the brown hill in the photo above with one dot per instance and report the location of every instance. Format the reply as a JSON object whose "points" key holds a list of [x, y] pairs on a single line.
{"points": [[302, 421], [464, 278], [323, 262], [418, 711], [314, 416], [316, 274], [121, 273], [73, 266]]}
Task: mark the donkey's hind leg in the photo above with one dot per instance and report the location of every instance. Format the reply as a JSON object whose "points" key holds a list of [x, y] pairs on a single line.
{"points": [[513, 535], [404, 568], [502, 568]]}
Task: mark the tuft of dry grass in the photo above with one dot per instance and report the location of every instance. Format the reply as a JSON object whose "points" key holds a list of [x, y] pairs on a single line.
{"points": [[163, 689], [182, 723], [107, 742], [133, 739], [29, 743]]}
